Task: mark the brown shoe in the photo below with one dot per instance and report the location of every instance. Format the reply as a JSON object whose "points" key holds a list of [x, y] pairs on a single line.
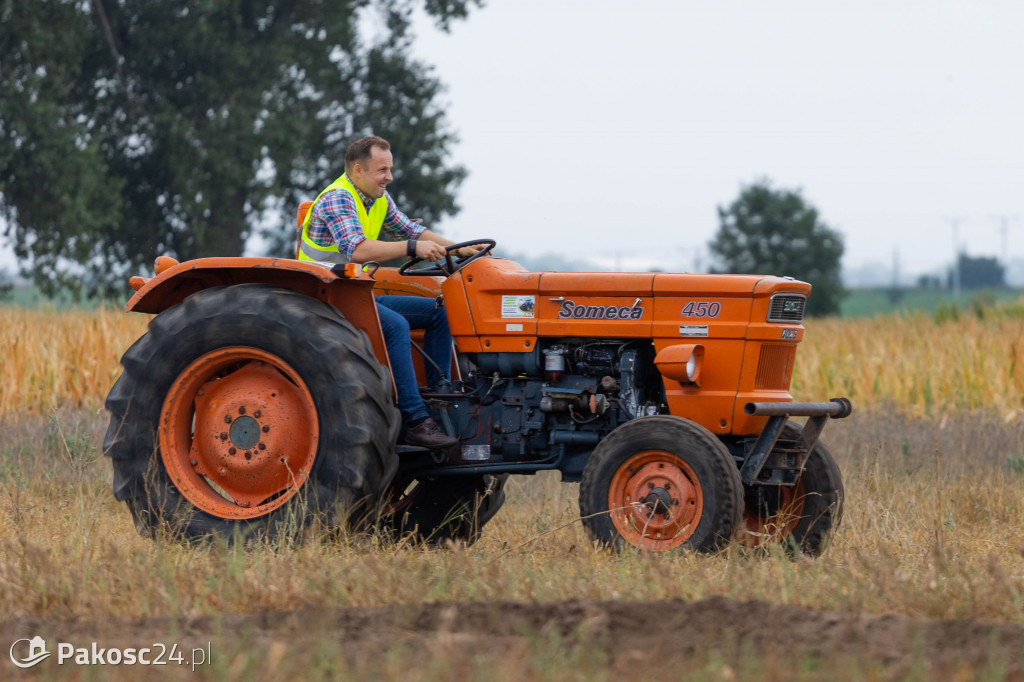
{"points": [[428, 434]]}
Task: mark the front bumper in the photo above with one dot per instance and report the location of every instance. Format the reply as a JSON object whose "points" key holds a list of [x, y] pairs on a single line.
{"points": [[778, 413]]}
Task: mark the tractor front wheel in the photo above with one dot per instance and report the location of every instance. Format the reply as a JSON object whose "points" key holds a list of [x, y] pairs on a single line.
{"points": [[661, 483], [249, 410], [803, 517]]}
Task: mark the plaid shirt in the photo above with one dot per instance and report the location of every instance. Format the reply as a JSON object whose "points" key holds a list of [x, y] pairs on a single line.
{"points": [[335, 221]]}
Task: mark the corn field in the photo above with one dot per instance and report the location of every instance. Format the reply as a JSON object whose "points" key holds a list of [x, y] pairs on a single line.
{"points": [[927, 365], [51, 360]]}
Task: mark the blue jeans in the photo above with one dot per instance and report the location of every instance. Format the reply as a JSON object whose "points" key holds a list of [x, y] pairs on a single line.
{"points": [[399, 314]]}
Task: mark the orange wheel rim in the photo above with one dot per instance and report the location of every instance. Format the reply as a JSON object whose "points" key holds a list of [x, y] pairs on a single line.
{"points": [[777, 519], [656, 500], [238, 432]]}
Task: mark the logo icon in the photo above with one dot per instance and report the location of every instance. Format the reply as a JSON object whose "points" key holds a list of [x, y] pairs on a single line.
{"points": [[36, 652]]}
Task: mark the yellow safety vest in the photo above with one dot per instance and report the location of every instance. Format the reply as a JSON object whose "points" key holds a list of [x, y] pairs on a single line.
{"points": [[371, 222]]}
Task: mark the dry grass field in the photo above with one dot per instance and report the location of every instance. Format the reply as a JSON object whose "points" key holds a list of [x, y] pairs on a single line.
{"points": [[925, 579]]}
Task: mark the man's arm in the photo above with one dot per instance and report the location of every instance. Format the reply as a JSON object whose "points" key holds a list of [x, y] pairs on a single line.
{"points": [[372, 249]]}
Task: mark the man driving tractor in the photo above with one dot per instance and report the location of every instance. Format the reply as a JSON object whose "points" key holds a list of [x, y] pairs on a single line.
{"points": [[343, 226]]}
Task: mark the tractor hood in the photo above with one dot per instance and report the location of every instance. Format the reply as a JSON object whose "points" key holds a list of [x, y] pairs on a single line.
{"points": [[496, 305]]}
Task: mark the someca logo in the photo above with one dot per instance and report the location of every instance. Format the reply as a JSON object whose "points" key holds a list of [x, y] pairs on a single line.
{"points": [[570, 309]]}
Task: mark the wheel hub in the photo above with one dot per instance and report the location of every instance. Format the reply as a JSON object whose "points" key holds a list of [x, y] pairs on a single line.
{"points": [[658, 501], [655, 500], [263, 453], [245, 432], [238, 434]]}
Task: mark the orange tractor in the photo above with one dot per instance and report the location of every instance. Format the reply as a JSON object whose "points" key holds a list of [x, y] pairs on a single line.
{"points": [[260, 399]]}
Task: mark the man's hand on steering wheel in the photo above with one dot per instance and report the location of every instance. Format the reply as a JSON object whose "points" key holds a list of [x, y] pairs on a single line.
{"points": [[446, 266], [467, 251], [428, 250]]}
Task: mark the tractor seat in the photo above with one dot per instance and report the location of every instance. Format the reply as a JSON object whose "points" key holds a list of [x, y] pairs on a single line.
{"points": [[303, 210]]}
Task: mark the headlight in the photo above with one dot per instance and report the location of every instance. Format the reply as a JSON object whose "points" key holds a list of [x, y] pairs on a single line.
{"points": [[682, 362]]}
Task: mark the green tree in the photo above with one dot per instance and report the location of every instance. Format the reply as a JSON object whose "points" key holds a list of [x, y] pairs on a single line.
{"points": [[134, 128], [776, 232]]}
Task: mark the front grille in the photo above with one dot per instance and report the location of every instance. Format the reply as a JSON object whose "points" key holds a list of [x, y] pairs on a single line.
{"points": [[786, 308], [775, 367]]}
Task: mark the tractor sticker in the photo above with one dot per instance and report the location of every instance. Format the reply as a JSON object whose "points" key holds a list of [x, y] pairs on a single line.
{"points": [[570, 310], [701, 309], [693, 330], [518, 306]]}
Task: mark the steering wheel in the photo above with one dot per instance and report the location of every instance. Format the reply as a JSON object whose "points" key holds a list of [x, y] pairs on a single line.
{"points": [[448, 266]]}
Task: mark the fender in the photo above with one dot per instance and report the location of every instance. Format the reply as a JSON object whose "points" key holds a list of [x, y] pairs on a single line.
{"points": [[348, 289]]}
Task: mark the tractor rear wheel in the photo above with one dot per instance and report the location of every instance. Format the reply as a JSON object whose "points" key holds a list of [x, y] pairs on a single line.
{"points": [[250, 410], [803, 517], [661, 483], [454, 508]]}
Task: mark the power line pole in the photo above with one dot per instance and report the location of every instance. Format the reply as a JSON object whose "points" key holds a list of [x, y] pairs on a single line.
{"points": [[1004, 236], [955, 223]]}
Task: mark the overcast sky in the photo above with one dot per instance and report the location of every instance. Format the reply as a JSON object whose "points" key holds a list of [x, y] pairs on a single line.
{"points": [[616, 128]]}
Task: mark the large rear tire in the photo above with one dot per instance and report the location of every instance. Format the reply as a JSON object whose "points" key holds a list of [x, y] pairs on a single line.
{"points": [[448, 508], [661, 483], [802, 518], [250, 410]]}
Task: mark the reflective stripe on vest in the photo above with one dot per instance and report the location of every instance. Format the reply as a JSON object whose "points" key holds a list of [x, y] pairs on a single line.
{"points": [[371, 223]]}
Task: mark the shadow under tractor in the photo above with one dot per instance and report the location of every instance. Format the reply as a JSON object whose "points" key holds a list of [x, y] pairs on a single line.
{"points": [[260, 399]]}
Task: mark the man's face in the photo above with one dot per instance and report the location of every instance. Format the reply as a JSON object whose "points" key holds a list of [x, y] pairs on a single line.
{"points": [[373, 175]]}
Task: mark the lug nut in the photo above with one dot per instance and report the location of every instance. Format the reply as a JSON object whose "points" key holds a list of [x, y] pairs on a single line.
{"points": [[248, 455], [232, 451], [668, 486], [257, 414], [266, 429], [194, 461], [227, 419], [675, 501], [241, 409], [262, 446], [650, 486], [223, 435]]}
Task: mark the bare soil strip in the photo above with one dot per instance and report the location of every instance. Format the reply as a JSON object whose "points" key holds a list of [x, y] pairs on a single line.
{"points": [[626, 631]]}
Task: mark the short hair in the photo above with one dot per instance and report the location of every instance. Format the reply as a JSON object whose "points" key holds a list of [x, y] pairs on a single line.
{"points": [[360, 150]]}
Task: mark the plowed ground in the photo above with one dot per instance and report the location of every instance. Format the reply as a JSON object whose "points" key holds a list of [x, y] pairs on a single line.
{"points": [[634, 639]]}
